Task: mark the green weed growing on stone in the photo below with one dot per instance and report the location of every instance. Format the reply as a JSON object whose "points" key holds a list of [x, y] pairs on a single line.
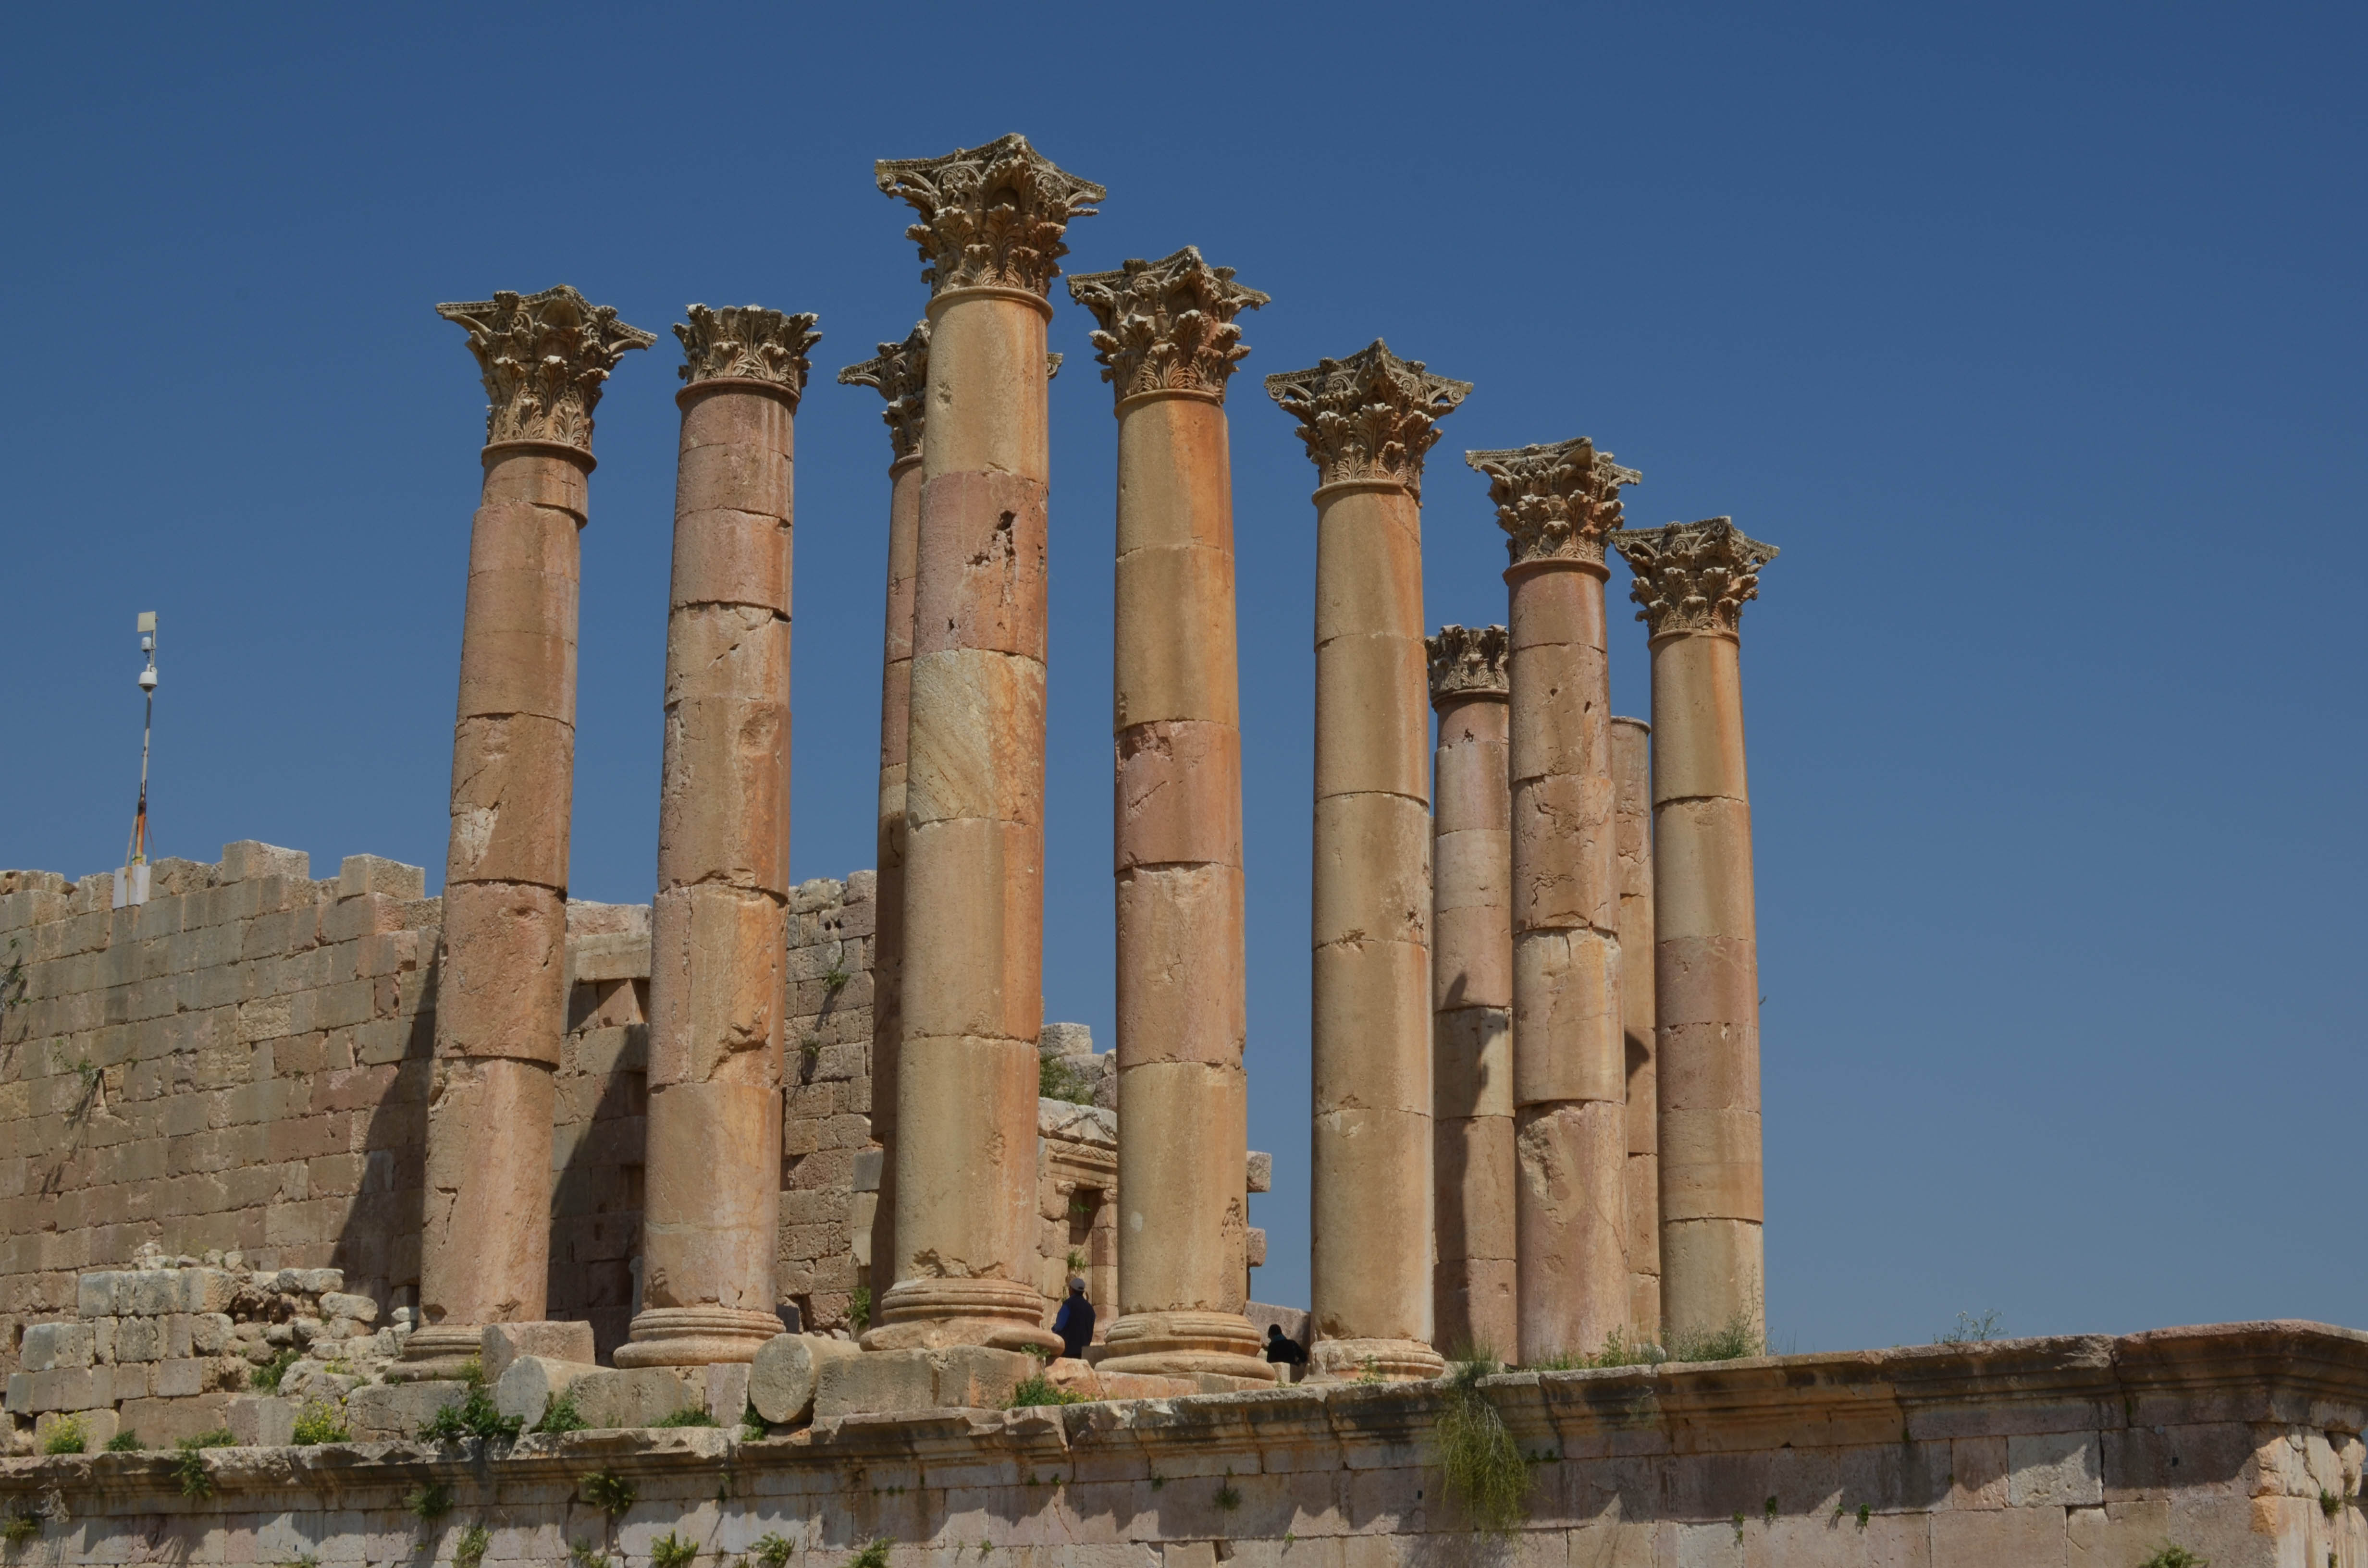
{"points": [[66, 1436], [859, 1308], [1481, 1464], [581, 1555], [1056, 1080], [772, 1552], [2175, 1557], [670, 1551], [872, 1556], [189, 1468], [2329, 1502], [266, 1378], [1736, 1340], [1371, 1371], [561, 1415], [124, 1442], [689, 1416], [469, 1551], [472, 1417], [20, 1529], [1229, 1496], [309, 1560], [1036, 1389], [320, 1422], [612, 1494], [428, 1503]]}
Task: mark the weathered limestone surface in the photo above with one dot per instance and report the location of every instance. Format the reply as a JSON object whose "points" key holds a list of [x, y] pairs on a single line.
{"points": [[1693, 581], [2221, 1441], [1471, 996], [971, 996], [1366, 422], [720, 922], [1631, 779], [899, 373], [484, 1240], [1556, 504], [1168, 342]]}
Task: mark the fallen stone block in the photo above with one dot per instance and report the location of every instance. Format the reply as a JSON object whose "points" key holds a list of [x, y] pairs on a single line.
{"points": [[971, 1377], [395, 1412], [502, 1343], [781, 1379], [48, 1345], [262, 1420], [530, 1384], [337, 1304], [633, 1396], [901, 1381], [1086, 1381]]}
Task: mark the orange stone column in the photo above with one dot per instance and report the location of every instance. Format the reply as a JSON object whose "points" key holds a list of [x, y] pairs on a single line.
{"points": [[1471, 996], [900, 373], [1367, 421], [964, 1270], [1693, 581], [1168, 345], [719, 929], [1569, 1069], [1632, 784], [501, 997]]}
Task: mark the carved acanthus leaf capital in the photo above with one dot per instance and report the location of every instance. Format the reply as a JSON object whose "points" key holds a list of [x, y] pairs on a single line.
{"points": [[544, 357], [1466, 660], [1167, 325], [1693, 576], [901, 373], [747, 343], [991, 216], [1557, 502], [1370, 416]]}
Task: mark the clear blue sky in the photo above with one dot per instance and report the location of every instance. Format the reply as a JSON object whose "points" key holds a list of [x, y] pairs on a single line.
{"points": [[2033, 335]]}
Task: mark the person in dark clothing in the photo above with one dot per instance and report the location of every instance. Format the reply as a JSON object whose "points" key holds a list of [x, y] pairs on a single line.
{"points": [[1075, 1322], [1284, 1352]]}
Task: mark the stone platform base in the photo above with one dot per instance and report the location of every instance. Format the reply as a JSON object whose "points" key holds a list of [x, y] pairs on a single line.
{"points": [[2239, 1444]]}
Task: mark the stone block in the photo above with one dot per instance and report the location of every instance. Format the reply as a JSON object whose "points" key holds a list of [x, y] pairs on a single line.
{"points": [[782, 1379], [161, 1423], [248, 860], [726, 1390], [2054, 1469], [67, 1388], [638, 1396], [530, 1384], [178, 1379], [95, 1295], [262, 1420], [1261, 1171], [360, 874], [395, 1412], [148, 1293], [139, 1339], [867, 1169], [206, 1289], [209, 1332], [48, 1345], [502, 1343], [889, 1382]]}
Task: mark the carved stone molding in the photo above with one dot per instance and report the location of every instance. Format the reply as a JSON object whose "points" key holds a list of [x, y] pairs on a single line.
{"points": [[747, 343], [991, 216], [544, 357], [899, 373], [1693, 576], [1370, 416], [1167, 325], [1467, 660], [1557, 502]]}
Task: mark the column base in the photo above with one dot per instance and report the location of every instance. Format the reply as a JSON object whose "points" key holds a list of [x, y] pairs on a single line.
{"points": [[1181, 1344], [438, 1353], [938, 1315], [1390, 1360], [696, 1336]]}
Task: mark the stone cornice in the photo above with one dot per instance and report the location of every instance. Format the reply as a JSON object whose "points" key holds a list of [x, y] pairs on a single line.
{"points": [[1167, 325], [1466, 660], [747, 343], [991, 217], [899, 372], [1557, 502], [544, 357], [1371, 416], [1693, 576]]}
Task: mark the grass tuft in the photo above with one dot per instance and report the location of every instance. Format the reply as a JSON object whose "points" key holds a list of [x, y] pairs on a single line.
{"points": [[320, 1422], [611, 1493], [1036, 1389], [561, 1415], [20, 1528], [189, 1469], [1483, 1466], [266, 1378], [2175, 1557], [670, 1551], [690, 1415], [428, 1503], [872, 1556], [772, 1552], [581, 1555], [469, 1551], [472, 1417], [1736, 1340], [124, 1442], [66, 1436], [859, 1308]]}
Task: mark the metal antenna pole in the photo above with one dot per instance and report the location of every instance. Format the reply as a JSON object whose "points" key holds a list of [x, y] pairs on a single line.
{"points": [[137, 854]]}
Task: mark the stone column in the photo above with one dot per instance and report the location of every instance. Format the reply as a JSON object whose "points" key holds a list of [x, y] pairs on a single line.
{"points": [[1632, 785], [1692, 580], [1471, 996], [719, 925], [501, 990], [1168, 345], [991, 219], [899, 373], [1367, 421], [1569, 1071]]}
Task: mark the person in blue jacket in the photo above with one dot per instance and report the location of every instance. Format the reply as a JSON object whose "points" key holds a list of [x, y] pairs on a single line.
{"points": [[1075, 1322]]}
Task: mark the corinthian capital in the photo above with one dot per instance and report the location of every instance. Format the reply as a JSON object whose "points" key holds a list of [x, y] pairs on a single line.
{"points": [[899, 373], [1693, 576], [747, 343], [1167, 325], [544, 357], [1370, 416], [991, 216], [1465, 661], [1558, 502]]}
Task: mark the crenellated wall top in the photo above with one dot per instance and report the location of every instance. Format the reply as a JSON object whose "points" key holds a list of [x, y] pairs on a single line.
{"points": [[1693, 576], [899, 372], [543, 356], [992, 217], [1167, 325], [747, 343], [1371, 416], [1557, 502], [1466, 660]]}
